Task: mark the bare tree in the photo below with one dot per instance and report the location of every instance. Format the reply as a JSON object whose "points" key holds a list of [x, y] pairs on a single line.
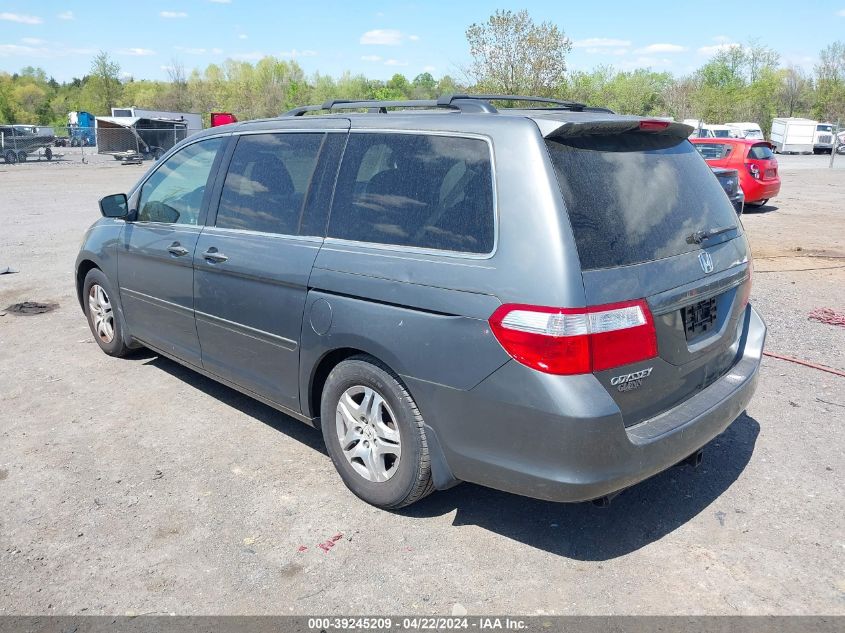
{"points": [[795, 87], [512, 54]]}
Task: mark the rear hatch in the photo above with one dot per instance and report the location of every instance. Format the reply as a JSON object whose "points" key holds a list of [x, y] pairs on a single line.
{"points": [[652, 222], [761, 162]]}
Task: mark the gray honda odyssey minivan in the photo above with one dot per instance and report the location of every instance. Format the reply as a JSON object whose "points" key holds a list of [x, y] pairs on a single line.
{"points": [[550, 300]]}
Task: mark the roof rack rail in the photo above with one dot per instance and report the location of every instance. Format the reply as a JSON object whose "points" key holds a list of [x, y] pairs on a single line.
{"points": [[562, 103], [460, 102]]}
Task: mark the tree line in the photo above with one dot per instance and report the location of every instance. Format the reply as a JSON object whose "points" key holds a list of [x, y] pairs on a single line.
{"points": [[510, 54]]}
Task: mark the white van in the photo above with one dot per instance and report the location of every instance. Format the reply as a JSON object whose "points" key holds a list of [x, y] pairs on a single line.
{"points": [[747, 129], [793, 135]]}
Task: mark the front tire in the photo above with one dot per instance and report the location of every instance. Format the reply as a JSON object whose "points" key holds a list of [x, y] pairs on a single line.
{"points": [[374, 434], [104, 318]]}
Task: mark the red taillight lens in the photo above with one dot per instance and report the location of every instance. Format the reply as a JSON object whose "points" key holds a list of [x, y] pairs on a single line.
{"points": [[653, 126], [745, 291], [576, 340], [753, 170]]}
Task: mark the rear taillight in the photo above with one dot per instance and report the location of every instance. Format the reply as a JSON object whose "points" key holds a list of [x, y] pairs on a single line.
{"points": [[753, 170], [745, 291], [576, 340]]}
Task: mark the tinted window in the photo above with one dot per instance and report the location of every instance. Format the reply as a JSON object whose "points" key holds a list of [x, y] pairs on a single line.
{"points": [[713, 151], [175, 191], [267, 182], [634, 198], [418, 190], [760, 152]]}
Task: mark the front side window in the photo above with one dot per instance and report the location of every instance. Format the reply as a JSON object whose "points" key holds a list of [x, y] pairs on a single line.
{"points": [[174, 193], [267, 182], [420, 190]]}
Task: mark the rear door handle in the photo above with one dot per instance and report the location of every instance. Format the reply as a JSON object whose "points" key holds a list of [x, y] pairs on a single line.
{"points": [[177, 250], [213, 255]]}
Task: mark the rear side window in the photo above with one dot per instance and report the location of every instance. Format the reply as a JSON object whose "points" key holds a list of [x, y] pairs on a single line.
{"points": [[267, 182], [760, 152], [634, 197], [421, 190], [713, 151]]}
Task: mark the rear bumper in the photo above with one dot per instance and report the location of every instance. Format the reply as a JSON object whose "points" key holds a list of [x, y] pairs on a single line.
{"points": [[509, 432], [761, 190]]}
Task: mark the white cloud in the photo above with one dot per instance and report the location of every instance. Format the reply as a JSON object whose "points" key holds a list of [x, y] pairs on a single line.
{"points": [[645, 61], [45, 51], [841, 13], [429, 69], [66, 15], [383, 37], [723, 45], [294, 53], [173, 14], [136, 52], [21, 18], [32, 41], [601, 42], [216, 51], [607, 51], [414, 38], [221, 1], [395, 62], [243, 36], [371, 58], [662, 48]]}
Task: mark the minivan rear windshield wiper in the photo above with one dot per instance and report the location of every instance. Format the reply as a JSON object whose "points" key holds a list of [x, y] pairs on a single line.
{"points": [[699, 236]]}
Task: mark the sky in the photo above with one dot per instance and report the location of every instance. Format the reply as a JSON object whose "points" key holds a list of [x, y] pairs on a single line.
{"points": [[379, 38]]}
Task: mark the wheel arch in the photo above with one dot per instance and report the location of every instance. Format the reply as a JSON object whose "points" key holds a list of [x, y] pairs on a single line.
{"points": [[441, 473], [82, 269]]}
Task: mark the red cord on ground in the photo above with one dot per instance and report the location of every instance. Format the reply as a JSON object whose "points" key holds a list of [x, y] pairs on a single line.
{"points": [[826, 315], [798, 361]]}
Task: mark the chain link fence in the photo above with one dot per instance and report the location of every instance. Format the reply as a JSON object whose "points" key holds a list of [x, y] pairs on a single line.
{"points": [[131, 144]]}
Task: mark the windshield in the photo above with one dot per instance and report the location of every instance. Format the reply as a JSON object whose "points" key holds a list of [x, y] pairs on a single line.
{"points": [[634, 197]]}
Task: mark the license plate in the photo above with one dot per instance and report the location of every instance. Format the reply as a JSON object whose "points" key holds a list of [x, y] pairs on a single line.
{"points": [[699, 318]]}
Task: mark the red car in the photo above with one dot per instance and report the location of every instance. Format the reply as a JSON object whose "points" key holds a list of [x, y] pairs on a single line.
{"points": [[753, 159]]}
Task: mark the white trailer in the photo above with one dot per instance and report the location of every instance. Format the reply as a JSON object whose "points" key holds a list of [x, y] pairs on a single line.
{"points": [[793, 135], [191, 120]]}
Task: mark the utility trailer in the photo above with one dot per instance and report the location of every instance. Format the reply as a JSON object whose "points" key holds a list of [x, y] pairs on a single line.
{"points": [[17, 143], [793, 135], [132, 134]]}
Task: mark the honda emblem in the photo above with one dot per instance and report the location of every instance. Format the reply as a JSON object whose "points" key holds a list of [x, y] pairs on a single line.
{"points": [[706, 261]]}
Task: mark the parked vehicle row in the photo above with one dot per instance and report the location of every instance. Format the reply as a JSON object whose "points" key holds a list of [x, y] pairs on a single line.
{"points": [[753, 160], [549, 301]]}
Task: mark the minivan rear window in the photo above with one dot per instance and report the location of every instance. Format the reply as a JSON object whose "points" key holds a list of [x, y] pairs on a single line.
{"points": [[635, 197], [422, 190]]}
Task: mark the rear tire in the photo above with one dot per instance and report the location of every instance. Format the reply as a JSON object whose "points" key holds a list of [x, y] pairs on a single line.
{"points": [[10, 157], [21, 157], [48, 154], [374, 434], [104, 318]]}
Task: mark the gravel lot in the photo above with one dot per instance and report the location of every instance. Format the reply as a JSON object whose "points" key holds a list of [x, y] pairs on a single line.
{"points": [[138, 486]]}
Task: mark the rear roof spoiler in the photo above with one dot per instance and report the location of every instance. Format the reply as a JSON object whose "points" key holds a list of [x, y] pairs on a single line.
{"points": [[614, 125]]}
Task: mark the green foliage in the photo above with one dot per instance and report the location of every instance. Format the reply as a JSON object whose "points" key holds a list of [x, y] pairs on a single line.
{"points": [[514, 55], [740, 83]]}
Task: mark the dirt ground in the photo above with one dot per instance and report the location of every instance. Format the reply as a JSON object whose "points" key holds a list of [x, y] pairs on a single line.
{"points": [[138, 486]]}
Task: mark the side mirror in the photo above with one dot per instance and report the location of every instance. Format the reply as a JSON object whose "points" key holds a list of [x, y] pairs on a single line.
{"points": [[114, 206]]}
